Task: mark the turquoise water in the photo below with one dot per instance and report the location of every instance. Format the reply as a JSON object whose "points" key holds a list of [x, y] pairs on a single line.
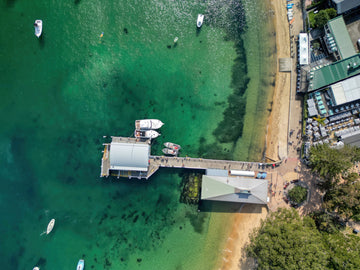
{"points": [[59, 96]]}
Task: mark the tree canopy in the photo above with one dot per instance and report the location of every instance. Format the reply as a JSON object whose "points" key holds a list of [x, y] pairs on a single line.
{"points": [[330, 162], [344, 198], [287, 241], [321, 18]]}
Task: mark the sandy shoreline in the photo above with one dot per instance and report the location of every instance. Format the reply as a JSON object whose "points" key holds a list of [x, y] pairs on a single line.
{"points": [[233, 254]]}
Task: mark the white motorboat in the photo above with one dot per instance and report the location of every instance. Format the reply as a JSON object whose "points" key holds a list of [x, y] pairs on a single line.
{"points": [[36, 268], [50, 226], [80, 265], [168, 151], [176, 39], [146, 134], [38, 28], [172, 146], [148, 124], [200, 20]]}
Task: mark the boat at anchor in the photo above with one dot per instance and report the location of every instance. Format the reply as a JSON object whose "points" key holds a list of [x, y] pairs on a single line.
{"points": [[50, 226], [80, 265], [200, 20], [146, 134], [148, 124], [38, 28]]}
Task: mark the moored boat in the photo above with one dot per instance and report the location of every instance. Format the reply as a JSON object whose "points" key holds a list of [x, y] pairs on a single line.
{"points": [[80, 265], [146, 134], [148, 124], [38, 28], [172, 146], [36, 268], [50, 226], [168, 151], [200, 20]]}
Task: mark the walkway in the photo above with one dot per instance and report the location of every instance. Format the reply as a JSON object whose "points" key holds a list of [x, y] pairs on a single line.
{"points": [[155, 162]]}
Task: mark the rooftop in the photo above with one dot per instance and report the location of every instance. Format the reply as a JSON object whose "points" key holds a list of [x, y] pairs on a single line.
{"points": [[303, 49], [342, 38], [345, 5], [234, 189], [129, 156], [335, 72], [346, 91]]}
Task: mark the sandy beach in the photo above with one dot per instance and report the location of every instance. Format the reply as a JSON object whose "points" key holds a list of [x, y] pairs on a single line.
{"points": [[250, 216]]}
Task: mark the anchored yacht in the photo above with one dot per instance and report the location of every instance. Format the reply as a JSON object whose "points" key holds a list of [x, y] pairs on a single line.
{"points": [[38, 28], [80, 265], [200, 20], [50, 226]]}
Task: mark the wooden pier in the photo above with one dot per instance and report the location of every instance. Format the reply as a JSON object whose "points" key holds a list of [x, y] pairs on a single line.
{"points": [[155, 162]]}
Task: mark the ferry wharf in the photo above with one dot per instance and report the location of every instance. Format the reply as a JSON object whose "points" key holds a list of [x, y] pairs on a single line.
{"points": [[131, 158]]}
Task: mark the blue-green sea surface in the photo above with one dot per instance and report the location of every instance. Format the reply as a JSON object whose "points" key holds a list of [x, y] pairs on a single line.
{"points": [[62, 93]]}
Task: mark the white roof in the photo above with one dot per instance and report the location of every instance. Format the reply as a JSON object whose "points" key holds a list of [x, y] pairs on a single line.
{"points": [[303, 49], [347, 90], [129, 156]]}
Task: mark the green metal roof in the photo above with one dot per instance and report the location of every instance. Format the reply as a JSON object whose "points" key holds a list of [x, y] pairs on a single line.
{"points": [[341, 35], [335, 72]]}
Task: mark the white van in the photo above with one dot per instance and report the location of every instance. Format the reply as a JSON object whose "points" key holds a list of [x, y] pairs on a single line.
{"points": [[358, 43]]}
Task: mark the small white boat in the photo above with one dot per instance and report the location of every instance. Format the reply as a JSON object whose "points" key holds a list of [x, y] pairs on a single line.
{"points": [[36, 268], [50, 226], [200, 20], [172, 146], [148, 124], [80, 265], [168, 151], [176, 39], [38, 28], [146, 134]]}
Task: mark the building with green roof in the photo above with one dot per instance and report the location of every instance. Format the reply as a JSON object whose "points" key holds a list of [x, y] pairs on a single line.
{"points": [[337, 39], [321, 77]]}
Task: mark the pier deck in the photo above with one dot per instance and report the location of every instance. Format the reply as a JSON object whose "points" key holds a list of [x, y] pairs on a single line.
{"points": [[155, 162]]}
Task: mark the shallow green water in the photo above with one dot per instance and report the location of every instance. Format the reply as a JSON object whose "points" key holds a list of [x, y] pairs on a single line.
{"points": [[62, 93]]}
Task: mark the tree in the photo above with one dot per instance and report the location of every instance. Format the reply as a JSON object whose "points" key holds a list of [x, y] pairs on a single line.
{"points": [[331, 13], [344, 251], [330, 162], [287, 241], [321, 18], [344, 198], [297, 194]]}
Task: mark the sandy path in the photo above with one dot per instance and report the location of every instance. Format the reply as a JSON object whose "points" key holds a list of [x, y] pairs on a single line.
{"points": [[276, 147]]}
